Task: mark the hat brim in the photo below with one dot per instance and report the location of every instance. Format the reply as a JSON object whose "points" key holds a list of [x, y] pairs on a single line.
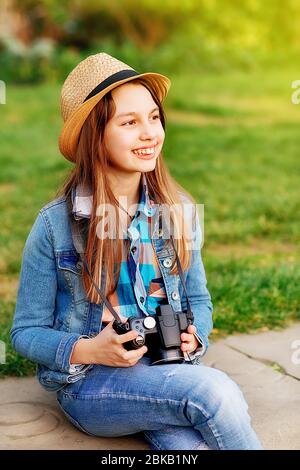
{"points": [[69, 136]]}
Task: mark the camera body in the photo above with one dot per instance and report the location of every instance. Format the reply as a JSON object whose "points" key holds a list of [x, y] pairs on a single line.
{"points": [[160, 333]]}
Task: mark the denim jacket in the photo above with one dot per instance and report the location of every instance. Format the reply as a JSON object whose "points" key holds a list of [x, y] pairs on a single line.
{"points": [[52, 311]]}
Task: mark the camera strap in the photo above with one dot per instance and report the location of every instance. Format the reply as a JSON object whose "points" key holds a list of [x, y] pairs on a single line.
{"points": [[79, 237]]}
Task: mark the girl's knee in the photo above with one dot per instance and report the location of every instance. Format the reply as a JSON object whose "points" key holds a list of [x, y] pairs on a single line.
{"points": [[222, 392]]}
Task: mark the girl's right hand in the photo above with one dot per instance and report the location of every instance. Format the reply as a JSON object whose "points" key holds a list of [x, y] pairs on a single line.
{"points": [[107, 348]]}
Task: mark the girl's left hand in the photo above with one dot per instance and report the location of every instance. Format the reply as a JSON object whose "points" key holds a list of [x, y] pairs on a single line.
{"points": [[189, 341]]}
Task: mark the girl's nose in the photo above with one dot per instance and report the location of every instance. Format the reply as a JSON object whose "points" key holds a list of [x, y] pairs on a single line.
{"points": [[148, 132]]}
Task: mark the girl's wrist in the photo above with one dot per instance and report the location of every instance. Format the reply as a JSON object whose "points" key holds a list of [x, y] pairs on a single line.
{"points": [[83, 352]]}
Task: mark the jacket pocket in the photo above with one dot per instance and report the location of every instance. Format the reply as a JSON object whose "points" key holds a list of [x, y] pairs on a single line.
{"points": [[70, 268], [70, 261]]}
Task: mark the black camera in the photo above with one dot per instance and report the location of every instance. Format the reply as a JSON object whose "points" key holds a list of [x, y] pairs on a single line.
{"points": [[160, 333]]}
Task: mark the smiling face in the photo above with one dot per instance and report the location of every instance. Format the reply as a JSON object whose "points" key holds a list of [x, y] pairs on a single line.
{"points": [[136, 123]]}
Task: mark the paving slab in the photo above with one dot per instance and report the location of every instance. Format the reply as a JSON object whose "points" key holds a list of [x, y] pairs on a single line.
{"points": [[273, 397], [31, 419], [272, 347]]}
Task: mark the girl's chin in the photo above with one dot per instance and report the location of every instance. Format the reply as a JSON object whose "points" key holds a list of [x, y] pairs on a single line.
{"points": [[145, 158], [146, 165]]}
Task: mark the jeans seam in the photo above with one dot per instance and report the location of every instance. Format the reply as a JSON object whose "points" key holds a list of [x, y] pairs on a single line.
{"points": [[218, 438], [152, 440], [120, 395]]}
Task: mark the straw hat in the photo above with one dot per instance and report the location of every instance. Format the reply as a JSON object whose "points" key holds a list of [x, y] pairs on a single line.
{"points": [[86, 84]]}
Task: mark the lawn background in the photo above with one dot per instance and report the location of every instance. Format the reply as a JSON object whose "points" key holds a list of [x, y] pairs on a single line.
{"points": [[232, 140]]}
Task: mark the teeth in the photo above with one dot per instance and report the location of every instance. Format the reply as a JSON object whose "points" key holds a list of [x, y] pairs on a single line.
{"points": [[144, 151]]}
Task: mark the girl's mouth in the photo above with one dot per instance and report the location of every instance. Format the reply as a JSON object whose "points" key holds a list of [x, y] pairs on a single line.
{"points": [[145, 154]]}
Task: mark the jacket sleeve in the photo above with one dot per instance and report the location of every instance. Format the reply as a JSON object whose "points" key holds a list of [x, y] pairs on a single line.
{"points": [[32, 332], [198, 294]]}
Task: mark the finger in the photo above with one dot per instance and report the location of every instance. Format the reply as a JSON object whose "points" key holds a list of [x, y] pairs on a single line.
{"points": [[134, 355], [123, 320], [126, 337], [186, 337], [191, 329], [187, 347]]}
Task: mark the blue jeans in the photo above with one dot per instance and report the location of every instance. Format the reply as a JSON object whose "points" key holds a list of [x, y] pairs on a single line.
{"points": [[176, 406]]}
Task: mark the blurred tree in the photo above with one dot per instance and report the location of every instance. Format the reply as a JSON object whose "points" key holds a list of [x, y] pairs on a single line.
{"points": [[172, 34], [145, 23]]}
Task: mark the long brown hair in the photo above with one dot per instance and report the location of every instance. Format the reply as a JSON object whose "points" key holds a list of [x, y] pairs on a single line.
{"points": [[90, 171]]}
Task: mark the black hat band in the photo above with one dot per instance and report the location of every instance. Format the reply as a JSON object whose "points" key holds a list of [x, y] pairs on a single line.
{"points": [[116, 77]]}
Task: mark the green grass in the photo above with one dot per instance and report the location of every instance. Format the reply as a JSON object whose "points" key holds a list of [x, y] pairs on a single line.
{"points": [[248, 297], [232, 141], [247, 178]]}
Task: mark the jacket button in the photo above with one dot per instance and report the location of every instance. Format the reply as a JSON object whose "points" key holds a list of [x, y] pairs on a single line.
{"points": [[79, 265], [167, 262], [133, 250], [160, 232], [175, 295]]}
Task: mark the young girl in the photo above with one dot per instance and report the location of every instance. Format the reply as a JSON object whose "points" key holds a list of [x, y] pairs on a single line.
{"points": [[114, 133]]}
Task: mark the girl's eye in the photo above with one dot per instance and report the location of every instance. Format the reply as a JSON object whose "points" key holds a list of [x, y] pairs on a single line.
{"points": [[129, 122]]}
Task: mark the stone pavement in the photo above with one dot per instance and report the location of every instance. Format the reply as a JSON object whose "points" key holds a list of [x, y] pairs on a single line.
{"points": [[264, 365]]}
